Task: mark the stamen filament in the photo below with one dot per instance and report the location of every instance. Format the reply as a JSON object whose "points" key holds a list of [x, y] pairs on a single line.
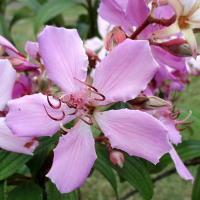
{"points": [[56, 119]]}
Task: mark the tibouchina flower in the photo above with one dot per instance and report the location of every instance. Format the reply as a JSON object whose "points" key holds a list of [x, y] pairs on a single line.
{"points": [[121, 76], [9, 141], [187, 18]]}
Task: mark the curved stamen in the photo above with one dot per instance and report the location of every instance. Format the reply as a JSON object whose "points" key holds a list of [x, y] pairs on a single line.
{"points": [[101, 95], [90, 122], [68, 130], [181, 122], [56, 119], [73, 112], [70, 105], [55, 107], [87, 84], [187, 125]]}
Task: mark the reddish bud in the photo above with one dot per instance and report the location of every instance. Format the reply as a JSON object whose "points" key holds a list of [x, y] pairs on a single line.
{"points": [[117, 158], [113, 38]]}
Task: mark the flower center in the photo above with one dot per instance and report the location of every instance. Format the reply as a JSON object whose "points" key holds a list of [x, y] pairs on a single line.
{"points": [[81, 102], [182, 22]]}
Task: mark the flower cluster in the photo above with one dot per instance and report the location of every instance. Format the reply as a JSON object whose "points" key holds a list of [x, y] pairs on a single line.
{"points": [[148, 52]]}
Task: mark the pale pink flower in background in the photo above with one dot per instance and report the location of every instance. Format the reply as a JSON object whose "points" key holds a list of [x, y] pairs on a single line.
{"points": [[121, 76], [97, 44]]}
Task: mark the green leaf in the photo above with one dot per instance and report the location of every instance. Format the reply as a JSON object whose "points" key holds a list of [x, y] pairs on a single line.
{"points": [[37, 161], [22, 13], [4, 29], [11, 162], [41, 152], [54, 194], [28, 190], [107, 172], [196, 187], [47, 143], [31, 4], [133, 171], [2, 189], [50, 10]]}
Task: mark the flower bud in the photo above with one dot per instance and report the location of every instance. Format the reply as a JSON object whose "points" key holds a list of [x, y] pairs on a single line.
{"points": [[43, 83], [155, 103], [117, 158], [113, 38], [148, 103]]}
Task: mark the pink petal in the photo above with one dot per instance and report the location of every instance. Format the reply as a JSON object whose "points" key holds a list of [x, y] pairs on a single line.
{"points": [[135, 132], [168, 59], [112, 12], [22, 86], [64, 56], [27, 116], [10, 142], [9, 48], [164, 12], [137, 12], [123, 3], [125, 71], [103, 26], [7, 81], [74, 157], [32, 48], [180, 167], [174, 135]]}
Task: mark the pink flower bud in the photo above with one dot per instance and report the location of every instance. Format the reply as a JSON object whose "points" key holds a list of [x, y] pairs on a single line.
{"points": [[113, 38], [117, 158]]}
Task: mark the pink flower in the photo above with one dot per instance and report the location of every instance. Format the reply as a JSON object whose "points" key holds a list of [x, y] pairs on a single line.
{"points": [[169, 119], [17, 59], [121, 76], [9, 141], [134, 15]]}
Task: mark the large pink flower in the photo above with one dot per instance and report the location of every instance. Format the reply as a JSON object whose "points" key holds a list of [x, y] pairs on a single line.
{"points": [[121, 76]]}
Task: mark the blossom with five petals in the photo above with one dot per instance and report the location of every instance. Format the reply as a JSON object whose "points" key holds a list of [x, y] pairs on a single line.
{"points": [[121, 76]]}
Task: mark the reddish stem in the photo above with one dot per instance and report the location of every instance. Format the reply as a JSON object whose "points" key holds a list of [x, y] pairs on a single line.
{"points": [[151, 20]]}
